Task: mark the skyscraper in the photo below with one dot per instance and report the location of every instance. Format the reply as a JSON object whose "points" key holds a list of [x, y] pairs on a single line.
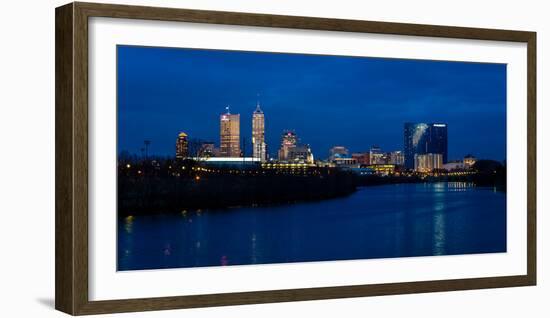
{"points": [[229, 135], [258, 134], [421, 138], [182, 146], [438, 140], [416, 140], [288, 140]]}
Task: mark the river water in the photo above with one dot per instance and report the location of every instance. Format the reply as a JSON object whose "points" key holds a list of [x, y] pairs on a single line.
{"points": [[375, 222]]}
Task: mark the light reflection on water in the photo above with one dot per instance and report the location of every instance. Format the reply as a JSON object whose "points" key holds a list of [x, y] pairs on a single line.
{"points": [[439, 229], [375, 222], [128, 221], [459, 186]]}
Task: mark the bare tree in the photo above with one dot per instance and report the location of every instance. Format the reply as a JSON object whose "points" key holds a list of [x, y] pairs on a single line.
{"points": [[196, 149]]}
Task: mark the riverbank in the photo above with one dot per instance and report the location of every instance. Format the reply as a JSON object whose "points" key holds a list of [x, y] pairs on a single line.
{"points": [[146, 194], [151, 193]]}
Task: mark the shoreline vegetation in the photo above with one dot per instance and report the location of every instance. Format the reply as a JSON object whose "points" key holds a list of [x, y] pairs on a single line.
{"points": [[187, 186]]}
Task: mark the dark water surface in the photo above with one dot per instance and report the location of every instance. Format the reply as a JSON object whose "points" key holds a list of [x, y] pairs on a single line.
{"points": [[374, 222]]}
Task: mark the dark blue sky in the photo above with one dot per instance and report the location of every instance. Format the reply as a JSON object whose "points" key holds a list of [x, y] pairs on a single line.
{"points": [[327, 100]]}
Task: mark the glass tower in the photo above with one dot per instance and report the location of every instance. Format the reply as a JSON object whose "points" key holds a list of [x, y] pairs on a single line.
{"points": [[438, 140], [422, 138]]}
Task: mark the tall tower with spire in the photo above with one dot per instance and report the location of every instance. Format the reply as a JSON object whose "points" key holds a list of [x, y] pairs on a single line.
{"points": [[258, 134]]}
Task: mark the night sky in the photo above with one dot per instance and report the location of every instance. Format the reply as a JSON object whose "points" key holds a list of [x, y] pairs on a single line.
{"points": [[355, 102]]}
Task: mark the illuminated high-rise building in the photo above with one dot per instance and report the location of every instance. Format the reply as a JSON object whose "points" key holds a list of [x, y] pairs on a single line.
{"points": [[377, 157], [428, 162], [288, 140], [182, 146], [230, 135], [397, 158], [258, 134], [415, 141], [421, 138]]}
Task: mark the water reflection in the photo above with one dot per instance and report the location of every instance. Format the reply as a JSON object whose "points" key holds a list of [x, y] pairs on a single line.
{"points": [[460, 186], [128, 221], [439, 229], [167, 251], [375, 222], [439, 216], [254, 254], [125, 252]]}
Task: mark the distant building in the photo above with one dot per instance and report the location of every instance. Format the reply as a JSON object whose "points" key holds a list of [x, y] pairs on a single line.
{"points": [[421, 138], [300, 154], [386, 158], [182, 146], [362, 158], [345, 162], [325, 164], [363, 171], [259, 147], [339, 157], [382, 169], [376, 156], [232, 162], [338, 152], [428, 162], [208, 149], [276, 165], [288, 141], [453, 166], [230, 135], [397, 158], [469, 161]]}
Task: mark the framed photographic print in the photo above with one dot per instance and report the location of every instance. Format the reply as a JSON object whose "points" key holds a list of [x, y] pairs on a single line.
{"points": [[218, 158]]}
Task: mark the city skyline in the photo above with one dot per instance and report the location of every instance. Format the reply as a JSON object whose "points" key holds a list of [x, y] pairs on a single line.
{"points": [[419, 139], [369, 158], [312, 121], [422, 142]]}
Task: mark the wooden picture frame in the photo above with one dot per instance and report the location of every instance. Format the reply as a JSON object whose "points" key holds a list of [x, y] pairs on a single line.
{"points": [[71, 90]]}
